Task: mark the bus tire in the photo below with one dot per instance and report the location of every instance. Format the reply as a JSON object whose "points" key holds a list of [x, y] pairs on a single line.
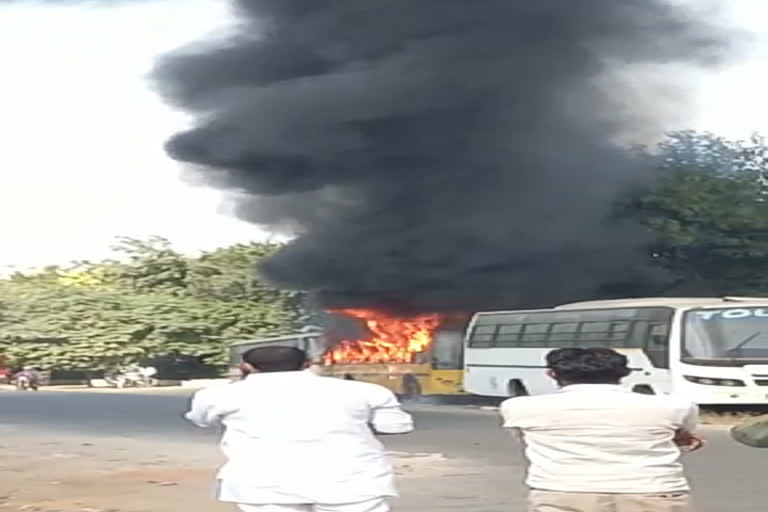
{"points": [[411, 388], [516, 388], [348, 377]]}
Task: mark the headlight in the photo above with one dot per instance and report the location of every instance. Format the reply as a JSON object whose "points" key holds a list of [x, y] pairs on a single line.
{"points": [[711, 381]]}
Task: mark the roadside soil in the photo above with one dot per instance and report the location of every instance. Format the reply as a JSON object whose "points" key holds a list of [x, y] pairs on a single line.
{"points": [[41, 473]]}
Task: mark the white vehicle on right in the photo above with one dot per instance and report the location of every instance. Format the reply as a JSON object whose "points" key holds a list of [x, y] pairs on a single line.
{"points": [[713, 351]]}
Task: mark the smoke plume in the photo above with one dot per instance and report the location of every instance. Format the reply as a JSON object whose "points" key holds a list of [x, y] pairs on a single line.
{"points": [[436, 155]]}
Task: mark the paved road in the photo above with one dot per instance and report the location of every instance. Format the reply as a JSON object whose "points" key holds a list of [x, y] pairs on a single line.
{"points": [[727, 476], [159, 415]]}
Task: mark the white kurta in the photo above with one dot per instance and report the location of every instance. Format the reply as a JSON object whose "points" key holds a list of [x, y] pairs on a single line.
{"points": [[296, 437]]}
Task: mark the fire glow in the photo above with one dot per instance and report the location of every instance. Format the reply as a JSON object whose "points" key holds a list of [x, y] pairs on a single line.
{"points": [[393, 339]]}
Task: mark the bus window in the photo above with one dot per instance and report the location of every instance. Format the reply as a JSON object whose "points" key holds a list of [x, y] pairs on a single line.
{"points": [[626, 328], [447, 351], [565, 332], [656, 344], [604, 334], [482, 336], [508, 335], [534, 335]]}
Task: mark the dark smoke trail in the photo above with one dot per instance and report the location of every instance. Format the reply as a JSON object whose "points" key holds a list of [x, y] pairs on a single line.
{"points": [[435, 154]]}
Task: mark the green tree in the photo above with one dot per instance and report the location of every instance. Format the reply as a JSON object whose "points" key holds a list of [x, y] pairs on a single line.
{"points": [[249, 305], [150, 265], [709, 211], [155, 302]]}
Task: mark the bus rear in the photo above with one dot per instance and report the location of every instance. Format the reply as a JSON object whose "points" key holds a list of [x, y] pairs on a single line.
{"points": [[436, 370]]}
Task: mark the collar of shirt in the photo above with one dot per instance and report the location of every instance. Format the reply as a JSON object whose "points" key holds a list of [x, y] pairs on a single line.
{"points": [[594, 387], [278, 375]]}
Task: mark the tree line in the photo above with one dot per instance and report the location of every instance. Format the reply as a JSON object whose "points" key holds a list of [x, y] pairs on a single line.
{"points": [[152, 302], [706, 209]]}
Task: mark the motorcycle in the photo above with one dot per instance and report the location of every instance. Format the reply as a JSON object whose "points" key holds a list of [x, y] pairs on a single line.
{"points": [[25, 383], [130, 379]]}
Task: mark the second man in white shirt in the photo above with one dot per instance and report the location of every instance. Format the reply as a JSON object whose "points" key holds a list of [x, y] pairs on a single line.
{"points": [[595, 446]]}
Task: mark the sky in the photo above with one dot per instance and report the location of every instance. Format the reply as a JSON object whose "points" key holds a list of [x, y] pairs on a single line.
{"points": [[82, 160]]}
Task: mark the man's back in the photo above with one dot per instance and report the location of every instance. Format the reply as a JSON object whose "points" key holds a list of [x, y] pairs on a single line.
{"points": [[295, 437], [602, 439]]}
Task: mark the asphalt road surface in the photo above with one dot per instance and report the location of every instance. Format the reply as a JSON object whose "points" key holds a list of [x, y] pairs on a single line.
{"points": [[727, 476]]}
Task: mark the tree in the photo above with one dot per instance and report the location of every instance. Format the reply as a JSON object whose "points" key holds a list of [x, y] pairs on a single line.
{"points": [[156, 302], [152, 265], [709, 211]]}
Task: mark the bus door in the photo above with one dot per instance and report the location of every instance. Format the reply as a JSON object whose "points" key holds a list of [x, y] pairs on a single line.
{"points": [[649, 355], [447, 372]]}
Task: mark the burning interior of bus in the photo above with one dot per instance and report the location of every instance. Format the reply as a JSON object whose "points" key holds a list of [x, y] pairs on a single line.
{"points": [[412, 355]]}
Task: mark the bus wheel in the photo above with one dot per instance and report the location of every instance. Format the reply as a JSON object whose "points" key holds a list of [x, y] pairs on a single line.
{"points": [[411, 388], [516, 388], [348, 377]]}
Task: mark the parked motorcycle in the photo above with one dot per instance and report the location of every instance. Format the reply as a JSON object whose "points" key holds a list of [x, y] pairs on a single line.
{"points": [[141, 377], [25, 383]]}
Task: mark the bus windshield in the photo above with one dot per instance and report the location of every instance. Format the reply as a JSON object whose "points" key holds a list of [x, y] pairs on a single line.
{"points": [[732, 336]]}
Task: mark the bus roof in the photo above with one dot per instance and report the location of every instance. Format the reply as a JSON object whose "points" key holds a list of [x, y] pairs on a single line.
{"points": [[664, 301], [273, 339]]}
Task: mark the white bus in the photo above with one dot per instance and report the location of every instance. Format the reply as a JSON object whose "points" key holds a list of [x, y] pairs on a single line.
{"points": [[711, 350]]}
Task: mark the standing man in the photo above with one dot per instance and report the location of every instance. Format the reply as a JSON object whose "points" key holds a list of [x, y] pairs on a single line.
{"points": [[595, 446], [299, 442]]}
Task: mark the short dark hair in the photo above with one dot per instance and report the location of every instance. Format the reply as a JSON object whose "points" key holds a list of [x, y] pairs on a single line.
{"points": [[588, 365], [276, 359]]}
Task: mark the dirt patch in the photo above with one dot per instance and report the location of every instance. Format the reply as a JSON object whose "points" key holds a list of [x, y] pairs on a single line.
{"points": [[78, 474], [71, 474]]}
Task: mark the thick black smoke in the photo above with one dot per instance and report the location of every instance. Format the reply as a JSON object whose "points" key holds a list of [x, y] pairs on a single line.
{"points": [[438, 154]]}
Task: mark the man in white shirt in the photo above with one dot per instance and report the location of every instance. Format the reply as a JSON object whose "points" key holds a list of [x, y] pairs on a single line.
{"points": [[596, 446], [298, 442]]}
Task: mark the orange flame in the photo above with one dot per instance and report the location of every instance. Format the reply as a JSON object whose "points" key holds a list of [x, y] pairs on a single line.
{"points": [[394, 340]]}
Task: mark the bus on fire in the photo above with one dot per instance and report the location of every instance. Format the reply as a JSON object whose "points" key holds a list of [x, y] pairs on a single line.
{"points": [[711, 350], [419, 362]]}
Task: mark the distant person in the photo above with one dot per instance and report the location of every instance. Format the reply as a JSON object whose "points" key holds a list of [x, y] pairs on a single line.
{"points": [[299, 442], [595, 446]]}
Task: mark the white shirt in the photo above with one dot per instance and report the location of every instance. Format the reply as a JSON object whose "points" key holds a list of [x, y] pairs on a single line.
{"points": [[602, 439], [299, 438]]}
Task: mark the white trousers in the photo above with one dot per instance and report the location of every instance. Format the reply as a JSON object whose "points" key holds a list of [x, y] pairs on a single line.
{"points": [[374, 505]]}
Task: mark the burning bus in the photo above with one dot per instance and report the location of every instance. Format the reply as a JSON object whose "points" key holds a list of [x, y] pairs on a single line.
{"points": [[412, 356]]}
